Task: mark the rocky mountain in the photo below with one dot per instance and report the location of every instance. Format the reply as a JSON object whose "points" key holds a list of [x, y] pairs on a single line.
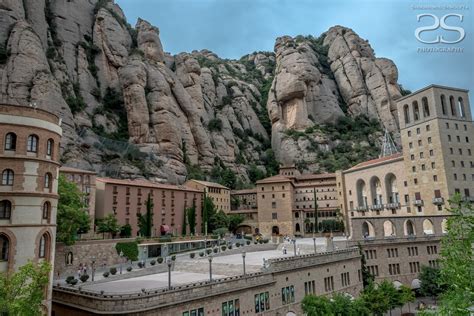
{"points": [[130, 109]]}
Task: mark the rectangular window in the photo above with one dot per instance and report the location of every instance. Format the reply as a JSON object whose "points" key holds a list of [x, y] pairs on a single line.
{"points": [[274, 204]]}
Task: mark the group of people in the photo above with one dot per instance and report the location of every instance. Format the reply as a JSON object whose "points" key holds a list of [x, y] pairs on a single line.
{"points": [[82, 270]]}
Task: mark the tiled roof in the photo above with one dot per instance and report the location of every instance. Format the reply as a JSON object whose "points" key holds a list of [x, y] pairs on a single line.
{"points": [[148, 184], [75, 170], [210, 184], [244, 191], [315, 176], [376, 161], [277, 178]]}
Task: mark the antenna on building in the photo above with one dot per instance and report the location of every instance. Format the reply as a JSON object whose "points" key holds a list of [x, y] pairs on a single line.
{"points": [[388, 146]]}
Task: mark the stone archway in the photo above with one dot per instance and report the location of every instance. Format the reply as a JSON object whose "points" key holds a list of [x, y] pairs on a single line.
{"points": [[275, 230]]}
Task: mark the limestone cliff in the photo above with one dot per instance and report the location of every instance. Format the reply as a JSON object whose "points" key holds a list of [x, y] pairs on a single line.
{"points": [[130, 109]]}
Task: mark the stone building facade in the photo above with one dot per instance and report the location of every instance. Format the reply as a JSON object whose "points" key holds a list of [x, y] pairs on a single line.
{"points": [[29, 164], [127, 198], [219, 194], [277, 290]]}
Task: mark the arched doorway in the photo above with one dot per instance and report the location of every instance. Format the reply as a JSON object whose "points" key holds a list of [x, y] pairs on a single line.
{"points": [[297, 227], [409, 228], [275, 230]]}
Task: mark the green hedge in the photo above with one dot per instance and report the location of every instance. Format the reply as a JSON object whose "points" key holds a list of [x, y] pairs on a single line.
{"points": [[129, 249]]}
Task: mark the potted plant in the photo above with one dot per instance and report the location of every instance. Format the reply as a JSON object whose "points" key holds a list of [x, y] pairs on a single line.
{"points": [[215, 250], [201, 254], [106, 274], [248, 242], [74, 282], [237, 244], [192, 255], [129, 268], [208, 251], [84, 277], [152, 262], [69, 279], [160, 260], [173, 257], [140, 264], [113, 270], [223, 248]]}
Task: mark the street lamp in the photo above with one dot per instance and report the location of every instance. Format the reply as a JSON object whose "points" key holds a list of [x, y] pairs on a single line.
{"points": [[168, 262], [243, 259], [314, 243], [121, 259], [93, 268], [210, 267], [294, 245]]}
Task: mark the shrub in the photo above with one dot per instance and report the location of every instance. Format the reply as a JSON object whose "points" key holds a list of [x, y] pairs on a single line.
{"points": [[160, 260], [84, 277], [255, 242], [260, 241], [192, 255], [129, 269], [74, 281], [113, 271], [201, 254], [140, 265], [69, 279], [215, 125], [106, 274], [215, 250], [248, 242], [266, 241], [208, 251], [230, 246], [152, 262], [248, 237], [223, 248], [173, 257], [237, 244]]}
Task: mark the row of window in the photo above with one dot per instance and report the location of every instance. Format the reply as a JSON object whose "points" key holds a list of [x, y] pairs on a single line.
{"points": [[415, 111], [31, 144], [8, 177], [43, 249], [6, 210]]}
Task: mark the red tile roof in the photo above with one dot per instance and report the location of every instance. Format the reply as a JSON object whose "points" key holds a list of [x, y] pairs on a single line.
{"points": [[244, 191], [376, 161], [316, 176], [277, 178], [148, 184]]}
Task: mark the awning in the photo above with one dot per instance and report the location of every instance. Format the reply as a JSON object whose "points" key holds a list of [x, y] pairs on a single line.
{"points": [[164, 229], [397, 284], [415, 284]]}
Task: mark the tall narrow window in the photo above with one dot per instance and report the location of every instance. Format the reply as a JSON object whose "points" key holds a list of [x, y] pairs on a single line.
{"points": [[7, 177], [426, 107], [32, 144], [443, 104], [406, 113], [48, 179], [4, 247], [46, 210], [10, 141], [416, 111], [452, 105], [49, 147], [461, 107], [5, 209], [43, 246]]}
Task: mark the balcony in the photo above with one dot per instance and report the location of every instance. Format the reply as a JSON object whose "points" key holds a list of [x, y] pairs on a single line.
{"points": [[361, 208], [376, 207], [393, 206], [418, 202], [468, 199], [438, 201]]}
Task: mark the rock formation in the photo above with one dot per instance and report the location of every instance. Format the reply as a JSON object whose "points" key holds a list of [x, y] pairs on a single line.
{"points": [[130, 109]]}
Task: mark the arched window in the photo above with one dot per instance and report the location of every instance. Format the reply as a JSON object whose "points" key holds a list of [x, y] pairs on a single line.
{"points": [[416, 111], [392, 189], [406, 113], [452, 105], [361, 193], [409, 228], [10, 141], [46, 210], [462, 113], [443, 104], [368, 230], [444, 226], [49, 147], [4, 247], [376, 191], [48, 179], [32, 144], [389, 229], [43, 246], [5, 209], [426, 107], [428, 227], [7, 177]]}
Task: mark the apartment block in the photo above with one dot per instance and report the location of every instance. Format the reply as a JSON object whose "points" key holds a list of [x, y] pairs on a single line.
{"points": [[219, 194]]}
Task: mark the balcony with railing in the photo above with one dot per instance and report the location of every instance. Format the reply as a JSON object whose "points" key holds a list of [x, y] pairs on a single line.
{"points": [[438, 200], [418, 202], [393, 206], [376, 207]]}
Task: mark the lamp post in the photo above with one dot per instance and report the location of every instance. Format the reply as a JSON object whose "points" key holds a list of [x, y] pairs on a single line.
{"points": [[168, 262], [243, 259], [205, 245], [121, 259], [93, 268], [294, 246], [210, 267], [314, 243]]}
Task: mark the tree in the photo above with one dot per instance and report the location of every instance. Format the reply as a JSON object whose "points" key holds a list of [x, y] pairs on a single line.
{"points": [[208, 209], [109, 224], [406, 296], [315, 211], [185, 222], [316, 305], [145, 222], [191, 214], [457, 259], [375, 299], [218, 220], [22, 292], [234, 221], [338, 304], [431, 282], [72, 217], [390, 292], [228, 178], [126, 231], [367, 278]]}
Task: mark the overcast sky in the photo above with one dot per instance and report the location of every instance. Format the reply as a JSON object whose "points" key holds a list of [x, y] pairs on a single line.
{"points": [[233, 28]]}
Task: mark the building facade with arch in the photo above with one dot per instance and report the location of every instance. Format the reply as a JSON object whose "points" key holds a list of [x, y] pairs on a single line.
{"points": [[29, 166]]}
